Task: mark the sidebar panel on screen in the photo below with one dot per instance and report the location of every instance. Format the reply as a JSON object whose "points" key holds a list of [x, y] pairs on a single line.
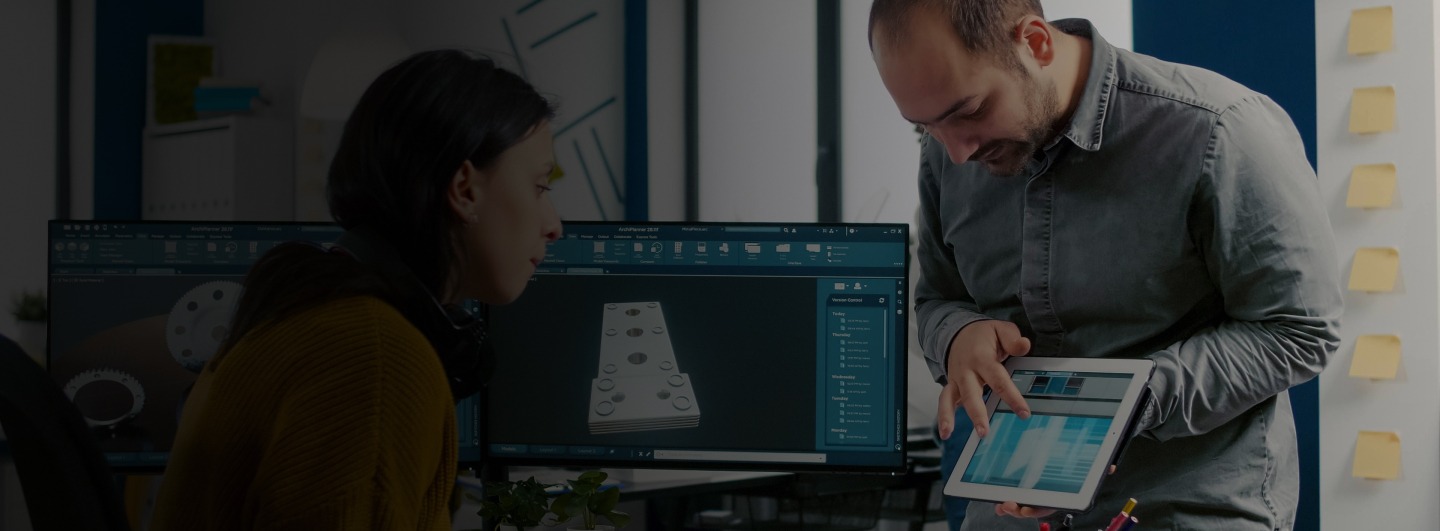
{"points": [[857, 320]]}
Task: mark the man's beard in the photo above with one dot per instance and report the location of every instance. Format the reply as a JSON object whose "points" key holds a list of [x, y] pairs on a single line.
{"points": [[1042, 106]]}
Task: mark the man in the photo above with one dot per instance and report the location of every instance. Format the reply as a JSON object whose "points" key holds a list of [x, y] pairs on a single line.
{"points": [[1081, 200]]}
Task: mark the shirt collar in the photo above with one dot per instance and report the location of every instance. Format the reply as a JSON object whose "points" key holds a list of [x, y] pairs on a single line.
{"points": [[1087, 125]]}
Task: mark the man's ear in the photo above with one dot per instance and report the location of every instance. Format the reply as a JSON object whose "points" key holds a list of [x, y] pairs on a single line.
{"points": [[464, 191], [1033, 36]]}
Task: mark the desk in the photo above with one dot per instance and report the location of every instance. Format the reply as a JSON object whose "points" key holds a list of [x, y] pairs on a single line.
{"points": [[718, 483], [819, 501], [672, 503], [668, 501]]}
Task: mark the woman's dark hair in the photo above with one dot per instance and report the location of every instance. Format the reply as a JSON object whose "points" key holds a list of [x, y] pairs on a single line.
{"points": [[412, 129]]}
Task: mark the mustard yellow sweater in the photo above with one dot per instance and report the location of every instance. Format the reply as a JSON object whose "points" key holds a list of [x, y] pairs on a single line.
{"points": [[337, 418]]}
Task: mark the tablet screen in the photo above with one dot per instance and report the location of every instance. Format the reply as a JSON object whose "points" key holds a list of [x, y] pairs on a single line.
{"points": [[1057, 446], [1081, 410]]}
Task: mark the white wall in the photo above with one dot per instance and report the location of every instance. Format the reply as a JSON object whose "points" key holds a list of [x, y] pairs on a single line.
{"points": [[1113, 18], [880, 152], [27, 177], [27, 146], [579, 70], [757, 110], [1407, 405]]}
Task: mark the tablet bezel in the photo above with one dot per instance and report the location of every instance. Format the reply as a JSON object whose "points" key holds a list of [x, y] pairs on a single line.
{"points": [[1139, 370]]}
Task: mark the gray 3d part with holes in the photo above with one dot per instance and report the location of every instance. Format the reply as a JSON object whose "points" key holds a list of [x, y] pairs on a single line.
{"points": [[639, 386]]}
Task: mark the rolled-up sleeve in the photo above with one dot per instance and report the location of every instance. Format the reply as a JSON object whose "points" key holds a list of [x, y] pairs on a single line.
{"points": [[942, 304], [1259, 222]]}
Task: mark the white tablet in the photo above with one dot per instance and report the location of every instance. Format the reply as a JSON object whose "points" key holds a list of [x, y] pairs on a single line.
{"points": [[1082, 410]]}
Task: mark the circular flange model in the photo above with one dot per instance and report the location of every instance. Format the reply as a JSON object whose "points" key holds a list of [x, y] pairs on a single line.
{"points": [[91, 381], [199, 322]]}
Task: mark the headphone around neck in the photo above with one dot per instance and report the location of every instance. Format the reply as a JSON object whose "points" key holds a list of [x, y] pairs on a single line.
{"points": [[456, 334]]}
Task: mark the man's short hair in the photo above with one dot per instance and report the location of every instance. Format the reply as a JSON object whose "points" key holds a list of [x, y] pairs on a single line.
{"points": [[983, 26]]}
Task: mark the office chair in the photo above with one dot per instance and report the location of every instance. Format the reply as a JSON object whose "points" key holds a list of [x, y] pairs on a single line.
{"points": [[66, 481]]}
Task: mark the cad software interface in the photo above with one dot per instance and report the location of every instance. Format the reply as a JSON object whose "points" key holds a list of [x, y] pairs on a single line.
{"points": [[136, 309], [717, 344]]}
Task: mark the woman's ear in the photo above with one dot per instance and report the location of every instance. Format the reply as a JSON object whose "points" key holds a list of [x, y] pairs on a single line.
{"points": [[464, 191]]}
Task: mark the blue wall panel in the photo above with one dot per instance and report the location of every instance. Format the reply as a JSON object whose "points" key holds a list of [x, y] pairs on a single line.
{"points": [[121, 32], [1269, 47], [637, 113]]}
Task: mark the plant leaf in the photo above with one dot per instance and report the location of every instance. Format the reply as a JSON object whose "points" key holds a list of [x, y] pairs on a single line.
{"points": [[617, 518], [605, 500]]}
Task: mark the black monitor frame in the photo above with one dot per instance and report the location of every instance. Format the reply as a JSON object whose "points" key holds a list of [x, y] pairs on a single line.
{"points": [[163, 380], [495, 399]]}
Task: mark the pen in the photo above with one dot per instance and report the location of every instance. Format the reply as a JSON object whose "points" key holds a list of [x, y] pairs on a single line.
{"points": [[1130, 524], [1124, 516], [1065, 524]]}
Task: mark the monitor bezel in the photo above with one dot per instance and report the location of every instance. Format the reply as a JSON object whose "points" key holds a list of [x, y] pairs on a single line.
{"points": [[55, 225], [900, 467]]}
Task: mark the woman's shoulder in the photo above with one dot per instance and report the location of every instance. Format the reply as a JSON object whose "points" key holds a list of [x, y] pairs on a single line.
{"points": [[352, 327], [359, 314]]}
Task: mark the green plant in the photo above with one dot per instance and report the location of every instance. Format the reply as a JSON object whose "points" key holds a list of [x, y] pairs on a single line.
{"points": [[29, 306], [519, 503], [587, 499]]}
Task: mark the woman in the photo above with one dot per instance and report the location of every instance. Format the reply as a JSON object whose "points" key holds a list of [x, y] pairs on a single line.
{"points": [[329, 406]]}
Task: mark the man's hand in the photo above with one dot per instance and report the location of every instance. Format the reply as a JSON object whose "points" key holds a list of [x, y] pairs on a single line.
{"points": [[1016, 510], [974, 361]]}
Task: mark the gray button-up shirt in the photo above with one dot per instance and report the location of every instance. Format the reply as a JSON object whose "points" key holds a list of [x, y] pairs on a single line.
{"points": [[1177, 219]]}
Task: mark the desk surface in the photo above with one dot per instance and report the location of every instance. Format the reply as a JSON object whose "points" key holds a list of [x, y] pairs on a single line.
{"points": [[646, 485], [718, 482], [642, 484]]}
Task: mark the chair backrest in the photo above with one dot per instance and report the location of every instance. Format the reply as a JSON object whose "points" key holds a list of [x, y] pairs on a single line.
{"points": [[66, 481]]}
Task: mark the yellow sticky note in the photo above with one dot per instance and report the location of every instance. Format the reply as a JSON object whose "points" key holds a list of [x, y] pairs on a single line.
{"points": [[1376, 357], [1372, 110], [1375, 269], [1377, 455], [1371, 186], [1372, 30]]}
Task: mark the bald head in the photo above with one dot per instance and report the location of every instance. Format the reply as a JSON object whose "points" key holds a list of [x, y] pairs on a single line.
{"points": [[983, 26]]}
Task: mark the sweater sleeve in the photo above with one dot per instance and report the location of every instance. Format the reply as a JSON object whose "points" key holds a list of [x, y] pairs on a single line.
{"points": [[358, 442]]}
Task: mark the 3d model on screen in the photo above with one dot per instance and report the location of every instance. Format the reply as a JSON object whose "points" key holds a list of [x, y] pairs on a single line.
{"points": [[106, 397], [199, 322], [639, 386]]}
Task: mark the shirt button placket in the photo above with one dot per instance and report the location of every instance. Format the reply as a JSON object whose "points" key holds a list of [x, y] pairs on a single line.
{"points": [[1036, 232]]}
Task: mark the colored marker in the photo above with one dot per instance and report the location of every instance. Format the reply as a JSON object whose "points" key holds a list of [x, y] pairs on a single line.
{"points": [[1130, 524], [1044, 526], [1124, 516]]}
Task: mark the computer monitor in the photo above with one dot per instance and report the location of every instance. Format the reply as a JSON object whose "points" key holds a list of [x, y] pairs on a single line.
{"points": [[136, 308], [733, 346]]}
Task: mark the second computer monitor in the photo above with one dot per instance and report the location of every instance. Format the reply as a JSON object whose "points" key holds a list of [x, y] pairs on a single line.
{"points": [[136, 310], [704, 345]]}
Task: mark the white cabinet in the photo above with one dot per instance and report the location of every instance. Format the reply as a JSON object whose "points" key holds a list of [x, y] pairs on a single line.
{"points": [[233, 168]]}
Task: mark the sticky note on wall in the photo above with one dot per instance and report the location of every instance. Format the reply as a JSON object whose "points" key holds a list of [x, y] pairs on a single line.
{"points": [[1376, 357], [1371, 186], [1375, 269], [1377, 455], [1372, 30], [1372, 110]]}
